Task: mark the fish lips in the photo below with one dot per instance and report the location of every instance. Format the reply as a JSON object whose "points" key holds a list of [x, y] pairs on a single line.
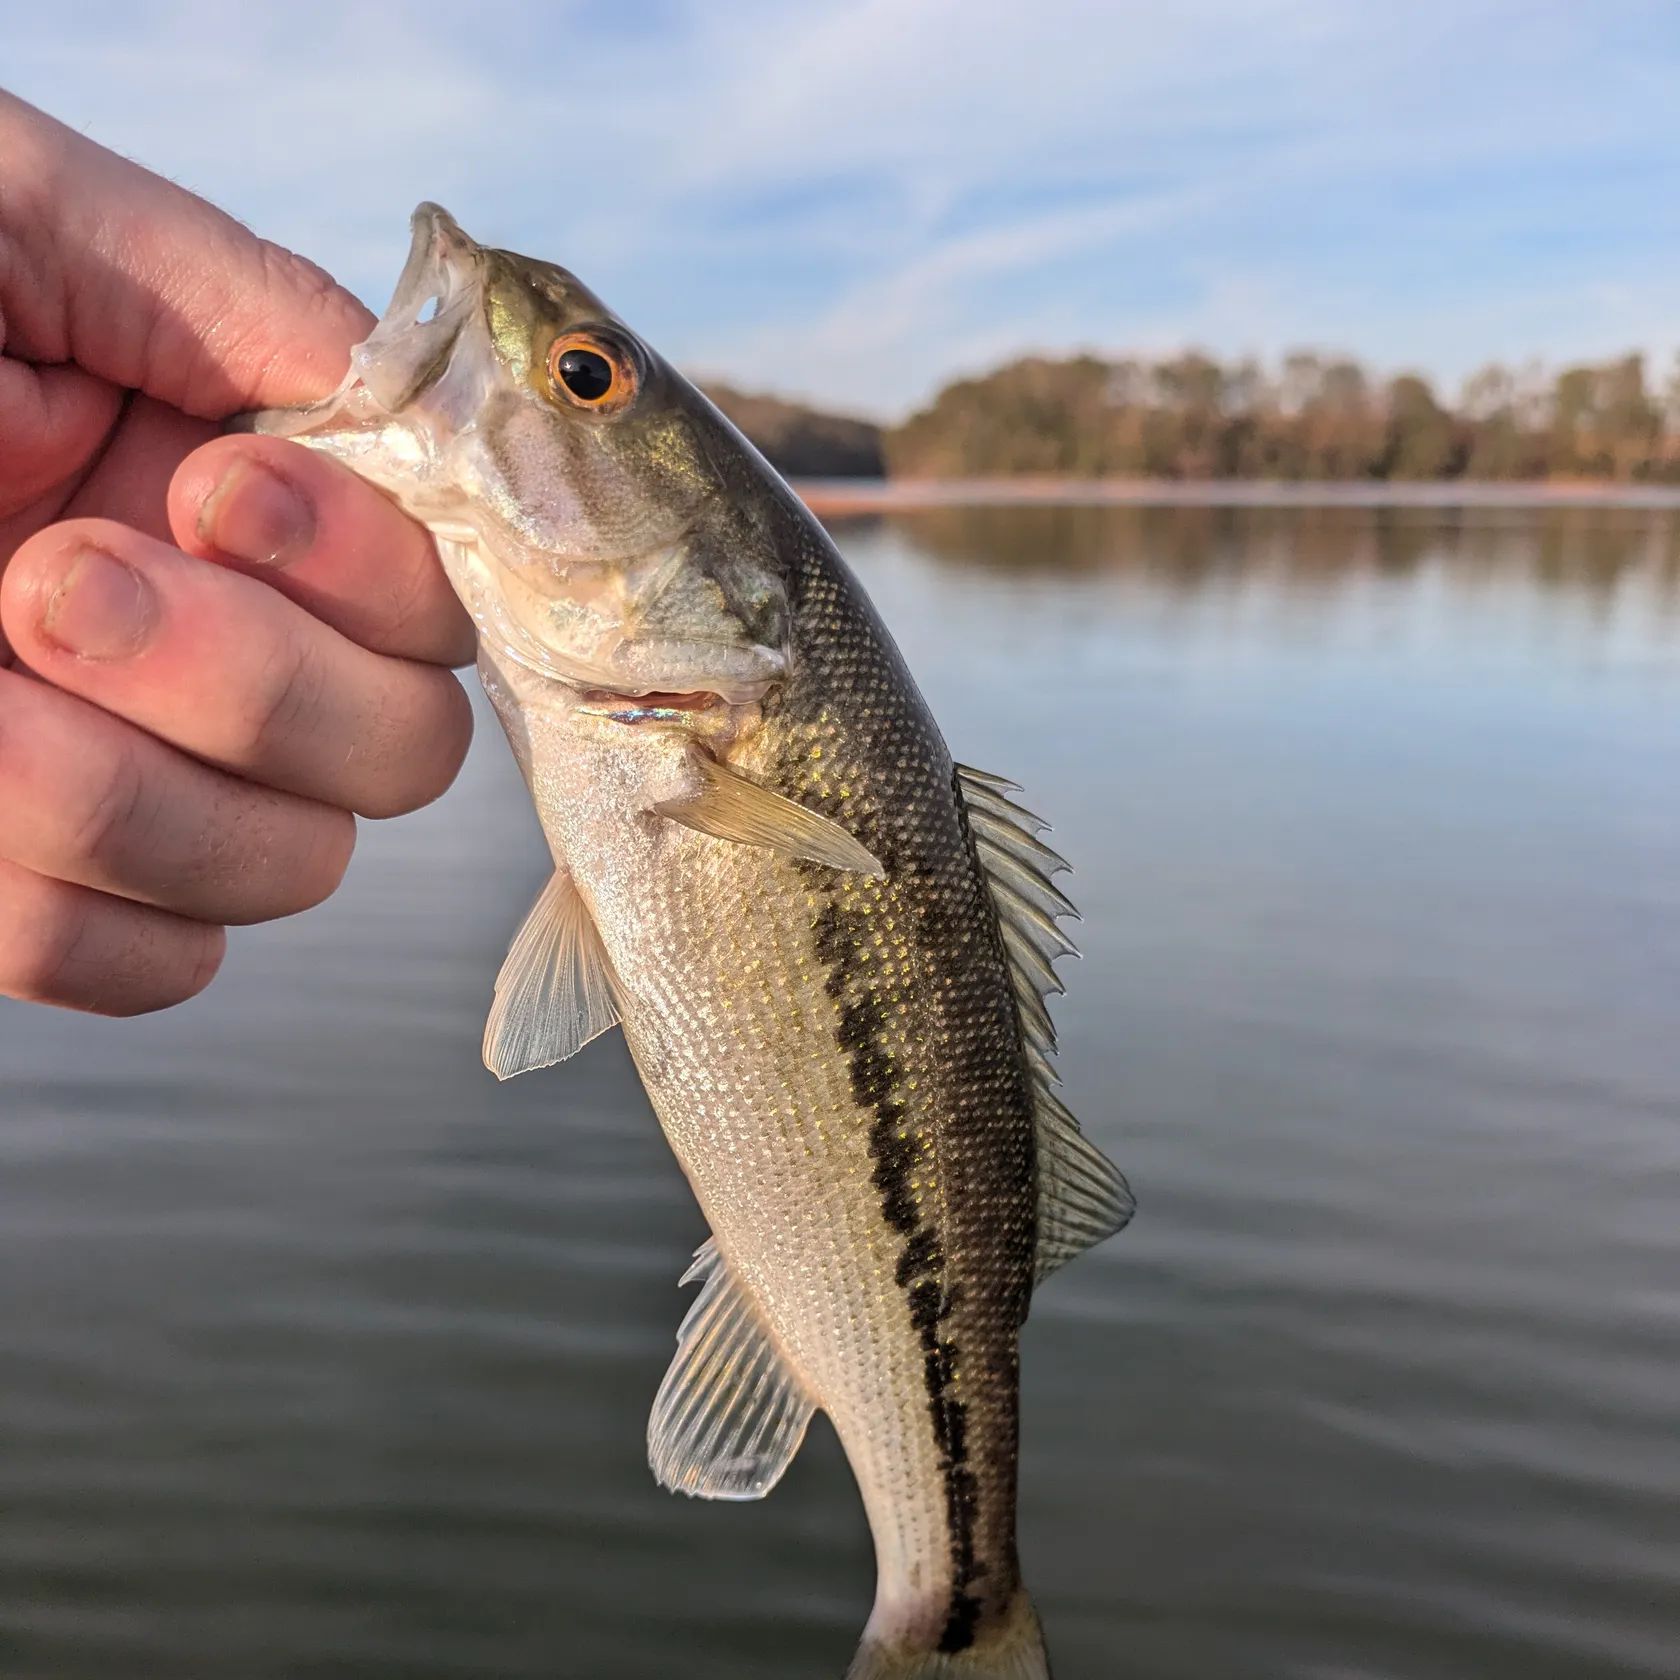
{"points": [[440, 289]]}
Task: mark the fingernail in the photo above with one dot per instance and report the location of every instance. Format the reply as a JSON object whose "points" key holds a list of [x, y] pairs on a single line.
{"points": [[101, 609], [255, 515]]}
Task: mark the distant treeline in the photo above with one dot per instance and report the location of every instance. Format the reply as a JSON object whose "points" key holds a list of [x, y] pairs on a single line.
{"points": [[803, 442], [1316, 417], [1188, 416]]}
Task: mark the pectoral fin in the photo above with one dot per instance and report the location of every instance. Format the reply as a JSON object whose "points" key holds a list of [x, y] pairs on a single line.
{"points": [[729, 1415], [554, 993], [729, 807]]}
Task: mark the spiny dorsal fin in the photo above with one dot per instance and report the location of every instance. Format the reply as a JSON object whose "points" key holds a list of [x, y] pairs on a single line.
{"points": [[554, 993], [729, 1415], [1082, 1196], [729, 807]]}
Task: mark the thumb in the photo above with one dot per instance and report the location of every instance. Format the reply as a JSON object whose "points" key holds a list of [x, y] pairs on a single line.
{"points": [[147, 286]]}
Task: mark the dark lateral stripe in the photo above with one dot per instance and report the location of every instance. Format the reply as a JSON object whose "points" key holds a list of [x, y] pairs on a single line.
{"points": [[895, 1147]]}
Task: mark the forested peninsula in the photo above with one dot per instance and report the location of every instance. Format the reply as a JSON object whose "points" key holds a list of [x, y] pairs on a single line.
{"points": [[1314, 417]]}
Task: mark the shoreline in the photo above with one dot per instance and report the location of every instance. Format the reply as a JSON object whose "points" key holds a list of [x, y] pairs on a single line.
{"points": [[839, 497]]}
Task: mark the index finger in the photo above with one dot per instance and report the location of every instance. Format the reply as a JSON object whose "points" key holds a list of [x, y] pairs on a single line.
{"points": [[324, 538], [106, 265]]}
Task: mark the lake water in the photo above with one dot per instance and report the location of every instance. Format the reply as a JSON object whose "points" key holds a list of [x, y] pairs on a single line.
{"points": [[322, 1355]]}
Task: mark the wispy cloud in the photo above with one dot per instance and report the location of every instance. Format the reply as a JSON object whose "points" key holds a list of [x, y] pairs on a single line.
{"points": [[852, 198]]}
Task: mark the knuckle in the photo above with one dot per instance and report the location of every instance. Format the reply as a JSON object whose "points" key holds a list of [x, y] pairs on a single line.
{"points": [[43, 927], [286, 698], [310, 293], [408, 611], [108, 809], [287, 274], [181, 361]]}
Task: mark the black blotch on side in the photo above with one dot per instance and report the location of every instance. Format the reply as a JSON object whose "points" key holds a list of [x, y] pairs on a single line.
{"points": [[921, 1255], [894, 1147]]}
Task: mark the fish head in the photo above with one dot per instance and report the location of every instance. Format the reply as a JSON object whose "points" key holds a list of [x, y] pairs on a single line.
{"points": [[578, 485]]}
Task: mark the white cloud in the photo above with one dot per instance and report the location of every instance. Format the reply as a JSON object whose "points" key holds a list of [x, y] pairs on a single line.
{"points": [[853, 198]]}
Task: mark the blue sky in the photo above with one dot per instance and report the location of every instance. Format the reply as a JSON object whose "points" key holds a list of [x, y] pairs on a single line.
{"points": [[853, 200]]}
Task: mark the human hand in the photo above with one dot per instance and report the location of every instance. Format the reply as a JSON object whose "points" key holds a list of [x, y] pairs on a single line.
{"points": [[188, 725]]}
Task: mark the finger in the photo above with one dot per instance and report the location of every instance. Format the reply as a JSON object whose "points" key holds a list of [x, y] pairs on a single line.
{"points": [[66, 945], [130, 481], [51, 421], [144, 284], [325, 539], [91, 800], [231, 671]]}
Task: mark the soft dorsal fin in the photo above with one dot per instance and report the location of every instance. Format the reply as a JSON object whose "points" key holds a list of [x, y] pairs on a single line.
{"points": [[729, 1415], [554, 993], [1082, 1196], [729, 807]]}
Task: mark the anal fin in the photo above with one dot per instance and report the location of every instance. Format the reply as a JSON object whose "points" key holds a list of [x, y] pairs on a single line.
{"points": [[554, 993], [729, 1415]]}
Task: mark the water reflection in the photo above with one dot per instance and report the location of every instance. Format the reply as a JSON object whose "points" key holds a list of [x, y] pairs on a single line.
{"points": [[323, 1355], [1185, 547]]}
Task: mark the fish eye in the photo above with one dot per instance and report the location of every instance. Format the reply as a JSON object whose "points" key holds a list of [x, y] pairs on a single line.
{"points": [[587, 374], [590, 373]]}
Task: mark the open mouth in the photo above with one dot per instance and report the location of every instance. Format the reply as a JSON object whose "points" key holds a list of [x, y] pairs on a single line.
{"points": [[436, 292]]}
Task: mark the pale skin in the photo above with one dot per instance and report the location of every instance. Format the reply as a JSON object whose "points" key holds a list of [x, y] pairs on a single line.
{"points": [[215, 652]]}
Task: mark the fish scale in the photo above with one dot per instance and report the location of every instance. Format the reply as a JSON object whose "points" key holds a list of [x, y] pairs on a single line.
{"points": [[762, 1099], [828, 945], [764, 1116]]}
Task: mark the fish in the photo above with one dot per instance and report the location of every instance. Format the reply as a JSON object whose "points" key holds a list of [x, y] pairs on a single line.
{"points": [[829, 946]]}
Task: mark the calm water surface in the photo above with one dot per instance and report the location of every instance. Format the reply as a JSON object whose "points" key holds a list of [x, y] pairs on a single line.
{"points": [[321, 1355]]}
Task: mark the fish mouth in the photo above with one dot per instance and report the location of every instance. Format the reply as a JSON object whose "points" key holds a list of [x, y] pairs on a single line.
{"points": [[439, 290], [693, 700], [408, 352], [653, 706], [409, 416]]}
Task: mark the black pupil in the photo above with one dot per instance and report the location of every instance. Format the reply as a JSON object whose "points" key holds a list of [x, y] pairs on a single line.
{"points": [[587, 374]]}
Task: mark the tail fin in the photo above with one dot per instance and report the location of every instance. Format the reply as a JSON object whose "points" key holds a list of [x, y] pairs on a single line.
{"points": [[1013, 1649]]}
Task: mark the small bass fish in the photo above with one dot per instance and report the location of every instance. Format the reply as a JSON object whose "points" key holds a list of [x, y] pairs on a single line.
{"points": [[828, 945]]}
